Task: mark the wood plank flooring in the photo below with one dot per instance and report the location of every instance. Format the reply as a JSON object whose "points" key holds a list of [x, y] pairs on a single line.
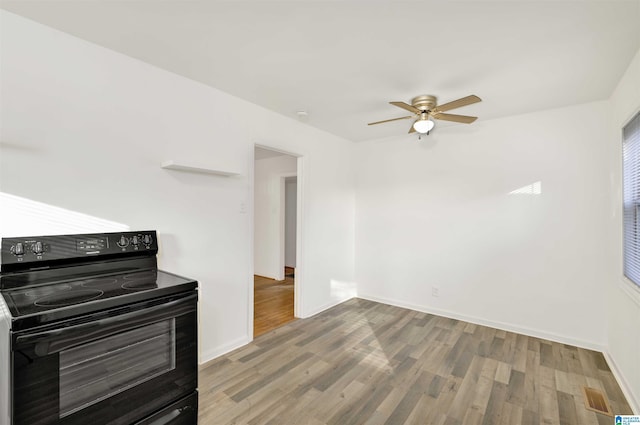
{"points": [[272, 303], [363, 362]]}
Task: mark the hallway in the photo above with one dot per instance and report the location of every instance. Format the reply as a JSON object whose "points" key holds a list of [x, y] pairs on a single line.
{"points": [[273, 303]]}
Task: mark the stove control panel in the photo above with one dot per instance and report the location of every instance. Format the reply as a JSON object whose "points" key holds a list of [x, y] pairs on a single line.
{"points": [[136, 242], [27, 247], [25, 252]]}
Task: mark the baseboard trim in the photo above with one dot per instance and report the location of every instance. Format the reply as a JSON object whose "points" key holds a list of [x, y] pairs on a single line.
{"points": [[209, 355], [490, 323], [322, 308], [634, 402]]}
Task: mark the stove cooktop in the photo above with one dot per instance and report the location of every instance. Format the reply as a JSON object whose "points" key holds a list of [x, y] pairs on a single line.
{"points": [[46, 279], [91, 293]]}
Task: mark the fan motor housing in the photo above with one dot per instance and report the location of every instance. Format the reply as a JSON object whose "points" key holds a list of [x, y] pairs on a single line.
{"points": [[425, 102]]}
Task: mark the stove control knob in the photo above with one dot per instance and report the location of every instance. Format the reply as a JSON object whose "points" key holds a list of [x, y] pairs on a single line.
{"points": [[135, 241], [18, 249], [146, 239], [37, 248], [123, 242]]}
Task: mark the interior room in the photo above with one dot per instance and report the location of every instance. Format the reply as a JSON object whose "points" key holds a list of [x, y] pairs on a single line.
{"points": [[472, 273]]}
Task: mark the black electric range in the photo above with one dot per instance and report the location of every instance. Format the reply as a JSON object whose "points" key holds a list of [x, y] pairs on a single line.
{"points": [[96, 332]]}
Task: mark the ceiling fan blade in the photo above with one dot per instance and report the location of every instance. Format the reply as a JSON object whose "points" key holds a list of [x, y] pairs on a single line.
{"points": [[412, 130], [464, 101], [406, 106], [392, 119], [455, 118]]}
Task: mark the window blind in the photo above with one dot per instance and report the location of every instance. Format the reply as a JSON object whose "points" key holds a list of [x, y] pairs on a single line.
{"points": [[631, 184]]}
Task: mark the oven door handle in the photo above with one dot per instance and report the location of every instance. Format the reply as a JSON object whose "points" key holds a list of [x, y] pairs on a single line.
{"points": [[54, 341]]}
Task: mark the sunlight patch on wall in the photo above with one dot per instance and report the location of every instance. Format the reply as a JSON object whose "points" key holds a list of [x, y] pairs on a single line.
{"points": [[534, 188], [25, 217], [342, 290]]}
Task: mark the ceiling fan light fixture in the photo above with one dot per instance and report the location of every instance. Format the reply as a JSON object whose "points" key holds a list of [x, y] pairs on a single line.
{"points": [[425, 110], [423, 125]]}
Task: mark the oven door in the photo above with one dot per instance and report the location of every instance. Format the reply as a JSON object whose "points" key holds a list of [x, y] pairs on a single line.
{"points": [[115, 367]]}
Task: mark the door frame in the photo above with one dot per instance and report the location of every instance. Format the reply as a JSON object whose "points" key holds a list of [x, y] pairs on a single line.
{"points": [[298, 285]]}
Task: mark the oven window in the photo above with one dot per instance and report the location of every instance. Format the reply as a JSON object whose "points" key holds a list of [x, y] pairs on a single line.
{"points": [[97, 370]]}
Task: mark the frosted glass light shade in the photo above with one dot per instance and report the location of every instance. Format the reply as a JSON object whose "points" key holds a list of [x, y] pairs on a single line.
{"points": [[423, 125]]}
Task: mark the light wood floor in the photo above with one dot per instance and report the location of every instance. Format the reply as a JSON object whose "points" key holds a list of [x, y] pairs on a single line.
{"points": [[363, 362], [272, 303]]}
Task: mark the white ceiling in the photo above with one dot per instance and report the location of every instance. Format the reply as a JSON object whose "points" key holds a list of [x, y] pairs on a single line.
{"points": [[342, 61]]}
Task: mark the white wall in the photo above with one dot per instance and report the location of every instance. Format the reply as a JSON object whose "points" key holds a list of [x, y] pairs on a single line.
{"points": [[268, 229], [624, 297], [439, 213], [85, 129], [290, 213]]}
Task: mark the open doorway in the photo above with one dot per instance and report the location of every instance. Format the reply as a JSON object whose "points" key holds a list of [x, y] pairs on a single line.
{"points": [[290, 222], [275, 239]]}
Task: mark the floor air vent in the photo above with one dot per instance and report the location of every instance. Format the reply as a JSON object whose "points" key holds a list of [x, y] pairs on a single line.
{"points": [[596, 401]]}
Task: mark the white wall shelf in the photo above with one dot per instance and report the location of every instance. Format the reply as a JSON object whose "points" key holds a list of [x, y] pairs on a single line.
{"points": [[192, 168]]}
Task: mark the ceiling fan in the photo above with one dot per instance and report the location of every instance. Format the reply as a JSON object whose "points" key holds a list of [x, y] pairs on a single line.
{"points": [[425, 108]]}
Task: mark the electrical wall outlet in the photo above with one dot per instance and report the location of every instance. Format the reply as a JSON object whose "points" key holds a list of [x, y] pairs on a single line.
{"points": [[435, 291]]}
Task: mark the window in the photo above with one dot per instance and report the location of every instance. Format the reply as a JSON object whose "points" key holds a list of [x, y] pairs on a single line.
{"points": [[631, 183]]}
